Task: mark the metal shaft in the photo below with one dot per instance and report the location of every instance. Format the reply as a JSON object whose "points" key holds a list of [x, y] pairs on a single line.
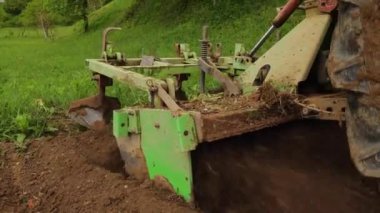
{"points": [[262, 41]]}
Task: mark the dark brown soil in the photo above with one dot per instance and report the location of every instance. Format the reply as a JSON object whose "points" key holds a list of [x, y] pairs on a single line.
{"points": [[297, 167], [75, 173]]}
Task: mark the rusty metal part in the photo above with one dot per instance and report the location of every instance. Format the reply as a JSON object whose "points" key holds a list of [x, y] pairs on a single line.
{"points": [[228, 124], [327, 6], [178, 50], [169, 102], [285, 13], [160, 92], [324, 107], [105, 37], [95, 112], [215, 54], [132, 155], [230, 88]]}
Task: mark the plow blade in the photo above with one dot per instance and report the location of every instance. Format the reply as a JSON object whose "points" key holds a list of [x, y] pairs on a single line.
{"points": [[93, 112]]}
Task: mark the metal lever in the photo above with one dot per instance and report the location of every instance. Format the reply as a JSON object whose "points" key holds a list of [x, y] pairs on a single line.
{"points": [[277, 22], [105, 35]]}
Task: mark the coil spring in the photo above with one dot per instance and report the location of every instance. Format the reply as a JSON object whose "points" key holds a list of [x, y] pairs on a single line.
{"points": [[204, 49]]}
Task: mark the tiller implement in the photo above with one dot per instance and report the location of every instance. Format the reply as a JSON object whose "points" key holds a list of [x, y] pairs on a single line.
{"points": [[289, 81]]}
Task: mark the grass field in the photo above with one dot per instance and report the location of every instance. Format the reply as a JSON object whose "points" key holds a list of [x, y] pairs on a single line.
{"points": [[40, 77]]}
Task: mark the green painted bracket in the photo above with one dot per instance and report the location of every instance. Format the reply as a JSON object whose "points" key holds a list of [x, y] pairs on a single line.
{"points": [[167, 140], [125, 121]]}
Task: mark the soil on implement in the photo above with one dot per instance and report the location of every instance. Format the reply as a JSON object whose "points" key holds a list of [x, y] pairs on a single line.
{"points": [[224, 117], [297, 167], [266, 100]]}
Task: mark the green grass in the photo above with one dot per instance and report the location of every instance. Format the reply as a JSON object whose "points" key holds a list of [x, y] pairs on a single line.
{"points": [[41, 77], [27, 32]]}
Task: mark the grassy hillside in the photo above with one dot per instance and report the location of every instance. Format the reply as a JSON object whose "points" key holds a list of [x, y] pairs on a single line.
{"points": [[41, 77], [159, 27]]}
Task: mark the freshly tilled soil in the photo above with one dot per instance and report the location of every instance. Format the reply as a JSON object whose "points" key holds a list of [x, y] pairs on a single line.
{"points": [[297, 167], [76, 173]]}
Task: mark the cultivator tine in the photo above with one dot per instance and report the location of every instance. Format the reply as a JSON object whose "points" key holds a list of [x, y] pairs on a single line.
{"points": [[207, 66], [95, 112]]}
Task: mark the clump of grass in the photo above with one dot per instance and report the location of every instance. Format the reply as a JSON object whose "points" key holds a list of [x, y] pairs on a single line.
{"points": [[32, 122]]}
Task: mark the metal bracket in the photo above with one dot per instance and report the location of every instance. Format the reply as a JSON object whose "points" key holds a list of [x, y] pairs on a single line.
{"points": [[328, 107], [126, 129], [241, 57], [126, 122], [183, 51], [167, 140], [159, 91]]}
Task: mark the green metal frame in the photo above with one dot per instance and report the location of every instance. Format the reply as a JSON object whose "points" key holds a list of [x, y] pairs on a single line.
{"points": [[166, 141], [292, 57], [167, 137]]}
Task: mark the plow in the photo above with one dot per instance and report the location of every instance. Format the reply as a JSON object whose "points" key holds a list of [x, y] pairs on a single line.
{"points": [[322, 69]]}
